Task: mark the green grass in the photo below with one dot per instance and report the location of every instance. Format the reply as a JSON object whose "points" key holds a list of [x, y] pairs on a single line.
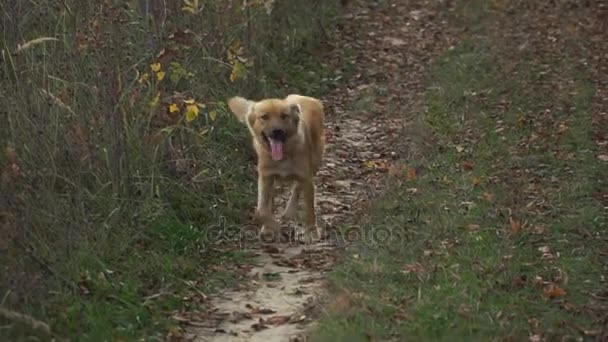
{"points": [[464, 260]]}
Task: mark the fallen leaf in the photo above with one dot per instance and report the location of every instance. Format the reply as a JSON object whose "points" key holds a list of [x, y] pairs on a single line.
{"points": [[519, 281], [155, 67], [411, 173], [191, 112], [262, 311], [297, 319], [467, 166], [155, 100], [489, 197], [464, 310], [539, 230], [473, 227], [544, 249], [240, 316], [277, 320], [341, 304], [393, 171], [272, 250], [553, 291], [259, 325], [536, 338], [395, 41], [515, 226], [416, 268]]}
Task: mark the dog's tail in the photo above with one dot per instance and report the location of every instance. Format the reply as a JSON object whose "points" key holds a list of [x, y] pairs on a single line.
{"points": [[240, 107]]}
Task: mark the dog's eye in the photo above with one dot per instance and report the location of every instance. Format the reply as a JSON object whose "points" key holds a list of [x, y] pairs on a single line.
{"points": [[284, 116], [265, 117]]}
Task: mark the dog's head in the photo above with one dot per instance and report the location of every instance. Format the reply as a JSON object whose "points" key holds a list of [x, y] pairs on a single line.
{"points": [[272, 122]]}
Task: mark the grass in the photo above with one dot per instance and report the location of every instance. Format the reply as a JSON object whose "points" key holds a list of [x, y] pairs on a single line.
{"points": [[503, 239], [108, 191]]}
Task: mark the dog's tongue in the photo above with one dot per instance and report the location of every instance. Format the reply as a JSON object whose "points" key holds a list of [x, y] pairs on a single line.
{"points": [[276, 149]]}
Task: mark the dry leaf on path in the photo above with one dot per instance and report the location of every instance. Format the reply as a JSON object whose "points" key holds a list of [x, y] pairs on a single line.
{"points": [[277, 320]]}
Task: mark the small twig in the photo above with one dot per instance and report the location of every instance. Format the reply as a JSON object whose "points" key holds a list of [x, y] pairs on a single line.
{"points": [[5, 297], [25, 319], [57, 101], [191, 286], [67, 7], [192, 323], [148, 299], [34, 42]]}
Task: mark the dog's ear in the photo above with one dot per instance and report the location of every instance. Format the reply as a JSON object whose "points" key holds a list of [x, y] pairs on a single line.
{"points": [[240, 107]]}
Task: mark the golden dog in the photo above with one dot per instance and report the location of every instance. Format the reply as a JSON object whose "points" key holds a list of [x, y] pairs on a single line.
{"points": [[289, 141]]}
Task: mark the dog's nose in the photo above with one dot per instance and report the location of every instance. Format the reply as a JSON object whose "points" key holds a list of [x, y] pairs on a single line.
{"points": [[277, 134]]}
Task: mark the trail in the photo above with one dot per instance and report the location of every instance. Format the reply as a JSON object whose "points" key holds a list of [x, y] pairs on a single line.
{"points": [[379, 54]]}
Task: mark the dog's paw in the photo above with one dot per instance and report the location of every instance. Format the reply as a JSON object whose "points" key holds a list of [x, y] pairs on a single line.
{"points": [[309, 236], [271, 234]]}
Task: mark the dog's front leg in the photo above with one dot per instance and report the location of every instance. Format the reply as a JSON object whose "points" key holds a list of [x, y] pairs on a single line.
{"points": [[265, 201], [310, 218]]}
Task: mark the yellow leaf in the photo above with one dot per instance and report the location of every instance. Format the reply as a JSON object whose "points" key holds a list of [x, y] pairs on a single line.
{"points": [[189, 101], [488, 196], [201, 105], [190, 6], [370, 164], [155, 100], [155, 67], [238, 70], [213, 115], [173, 108], [191, 112], [143, 78], [160, 75], [476, 181]]}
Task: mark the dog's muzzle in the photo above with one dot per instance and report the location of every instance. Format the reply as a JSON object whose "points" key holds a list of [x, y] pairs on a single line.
{"points": [[277, 135], [276, 138]]}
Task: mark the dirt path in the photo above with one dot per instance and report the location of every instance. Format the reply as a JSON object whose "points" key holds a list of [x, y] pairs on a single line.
{"points": [[284, 287], [387, 48]]}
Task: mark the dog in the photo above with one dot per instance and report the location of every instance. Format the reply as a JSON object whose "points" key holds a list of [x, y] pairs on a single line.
{"points": [[288, 138]]}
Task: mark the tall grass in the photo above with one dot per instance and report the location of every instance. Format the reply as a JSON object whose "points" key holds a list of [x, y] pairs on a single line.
{"points": [[113, 119]]}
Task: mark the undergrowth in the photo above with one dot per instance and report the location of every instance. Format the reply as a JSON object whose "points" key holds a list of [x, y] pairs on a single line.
{"points": [[118, 152]]}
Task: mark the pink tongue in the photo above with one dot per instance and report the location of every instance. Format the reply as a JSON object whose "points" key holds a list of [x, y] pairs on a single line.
{"points": [[276, 149]]}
